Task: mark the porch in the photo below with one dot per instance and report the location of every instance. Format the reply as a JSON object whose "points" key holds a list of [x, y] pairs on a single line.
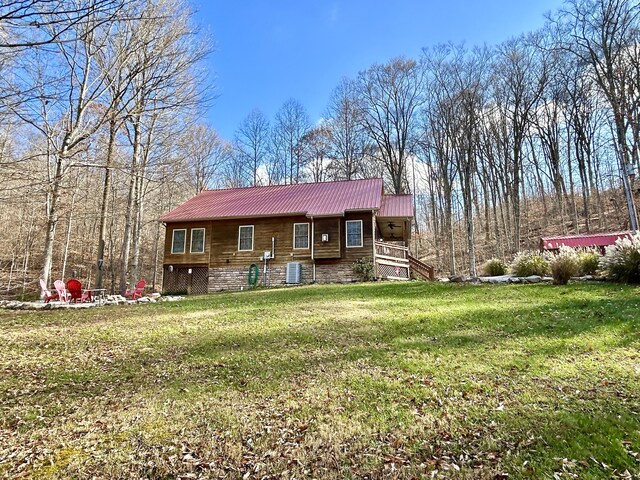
{"points": [[391, 261], [394, 262]]}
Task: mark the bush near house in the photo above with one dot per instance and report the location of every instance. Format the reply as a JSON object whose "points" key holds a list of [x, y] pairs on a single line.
{"points": [[363, 269], [529, 263], [621, 261], [564, 265], [588, 261], [494, 267]]}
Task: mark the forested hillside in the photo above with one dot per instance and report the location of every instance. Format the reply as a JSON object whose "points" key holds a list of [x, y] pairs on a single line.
{"points": [[102, 130]]}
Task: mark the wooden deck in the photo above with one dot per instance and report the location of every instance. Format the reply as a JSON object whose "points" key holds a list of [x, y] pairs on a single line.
{"points": [[392, 261]]}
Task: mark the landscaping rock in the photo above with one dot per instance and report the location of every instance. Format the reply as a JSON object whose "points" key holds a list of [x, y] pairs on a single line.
{"points": [[533, 279], [456, 279], [170, 298], [115, 298], [16, 305], [500, 279], [589, 278]]}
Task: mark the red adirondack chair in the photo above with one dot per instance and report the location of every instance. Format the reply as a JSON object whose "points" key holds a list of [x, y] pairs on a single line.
{"points": [[137, 292], [46, 293], [63, 294], [74, 287]]}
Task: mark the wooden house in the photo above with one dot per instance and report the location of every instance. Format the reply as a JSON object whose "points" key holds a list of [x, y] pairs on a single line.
{"points": [[314, 232]]}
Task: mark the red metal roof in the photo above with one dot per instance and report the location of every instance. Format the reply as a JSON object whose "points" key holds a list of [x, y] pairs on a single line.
{"points": [[396, 206], [311, 199], [583, 241]]}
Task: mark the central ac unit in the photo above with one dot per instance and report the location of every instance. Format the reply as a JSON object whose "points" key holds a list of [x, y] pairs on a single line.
{"points": [[293, 272]]}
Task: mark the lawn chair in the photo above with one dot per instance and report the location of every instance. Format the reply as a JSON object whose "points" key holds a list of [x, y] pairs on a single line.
{"points": [[46, 293], [63, 294], [74, 288], [137, 292]]}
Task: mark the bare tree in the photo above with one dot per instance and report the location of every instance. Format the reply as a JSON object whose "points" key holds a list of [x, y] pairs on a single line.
{"points": [[519, 77], [349, 141], [205, 155], [316, 147], [72, 102], [252, 144], [290, 125], [31, 23], [66, 109], [166, 82], [604, 35], [120, 65], [457, 86], [391, 96], [26, 25], [233, 175]]}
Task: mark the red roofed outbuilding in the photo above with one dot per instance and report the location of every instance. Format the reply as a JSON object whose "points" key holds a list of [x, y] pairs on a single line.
{"points": [[589, 240], [215, 240]]}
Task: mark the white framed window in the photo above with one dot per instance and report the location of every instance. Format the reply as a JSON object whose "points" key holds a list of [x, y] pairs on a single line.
{"points": [[354, 233], [197, 240], [245, 237], [178, 240], [300, 235]]}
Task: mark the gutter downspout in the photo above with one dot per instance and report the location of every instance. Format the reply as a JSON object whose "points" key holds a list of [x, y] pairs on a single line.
{"points": [[373, 243], [313, 242]]}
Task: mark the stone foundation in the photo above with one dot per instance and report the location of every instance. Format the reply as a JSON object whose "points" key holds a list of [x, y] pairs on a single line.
{"points": [[238, 278], [339, 272]]}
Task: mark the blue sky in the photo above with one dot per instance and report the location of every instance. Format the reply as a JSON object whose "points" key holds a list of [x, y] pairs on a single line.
{"points": [[269, 51]]}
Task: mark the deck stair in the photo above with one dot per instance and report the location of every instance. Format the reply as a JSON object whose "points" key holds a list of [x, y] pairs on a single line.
{"points": [[421, 270]]}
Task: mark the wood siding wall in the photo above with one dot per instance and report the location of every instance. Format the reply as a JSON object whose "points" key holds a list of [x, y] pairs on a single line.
{"points": [[187, 258], [229, 267], [224, 241], [330, 227], [354, 253]]}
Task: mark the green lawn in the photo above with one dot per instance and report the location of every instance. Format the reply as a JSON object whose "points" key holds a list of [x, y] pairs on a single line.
{"points": [[360, 381]]}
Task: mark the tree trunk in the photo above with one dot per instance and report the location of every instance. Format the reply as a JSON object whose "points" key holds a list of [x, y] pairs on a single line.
{"points": [[448, 222], [130, 212], [137, 226], [105, 202], [52, 221]]}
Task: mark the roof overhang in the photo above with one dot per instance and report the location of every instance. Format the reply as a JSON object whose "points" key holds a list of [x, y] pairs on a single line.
{"points": [[216, 219]]}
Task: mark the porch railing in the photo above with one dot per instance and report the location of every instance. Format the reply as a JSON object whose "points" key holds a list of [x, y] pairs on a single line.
{"points": [[392, 261], [421, 270]]}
